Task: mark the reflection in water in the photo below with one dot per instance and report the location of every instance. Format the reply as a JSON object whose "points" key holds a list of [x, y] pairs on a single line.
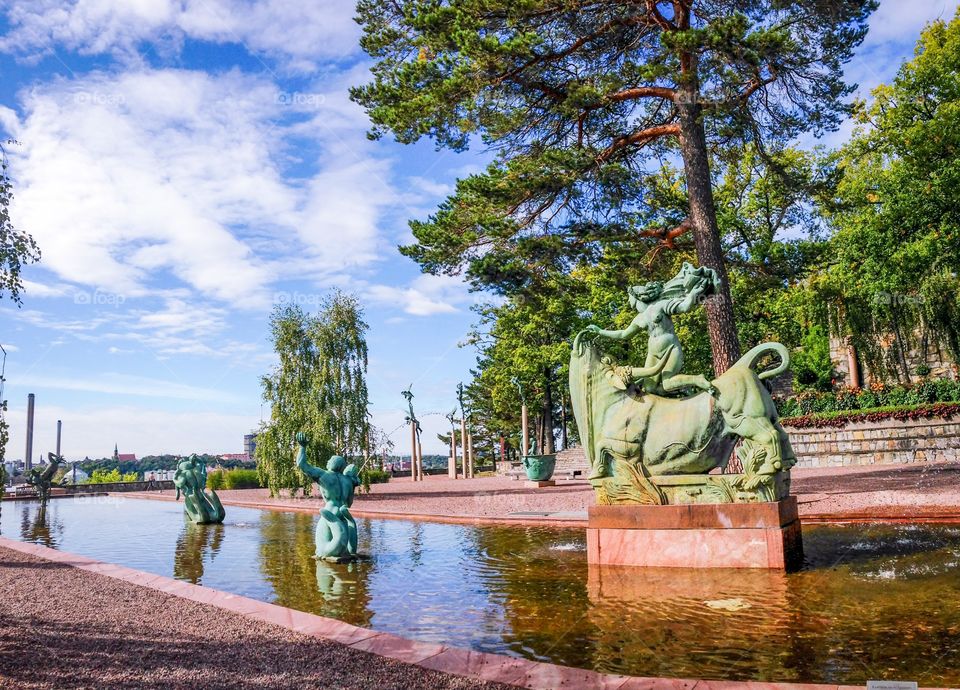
{"points": [[300, 581], [37, 527], [196, 544], [871, 601]]}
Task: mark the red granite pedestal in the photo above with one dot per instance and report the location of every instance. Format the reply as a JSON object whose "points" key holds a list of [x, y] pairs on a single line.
{"points": [[722, 535]]}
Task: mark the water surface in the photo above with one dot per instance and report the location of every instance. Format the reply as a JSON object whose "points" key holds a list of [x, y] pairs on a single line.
{"points": [[871, 602]]}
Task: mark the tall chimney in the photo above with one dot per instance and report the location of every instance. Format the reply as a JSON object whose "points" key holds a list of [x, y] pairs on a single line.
{"points": [[28, 455], [59, 429]]}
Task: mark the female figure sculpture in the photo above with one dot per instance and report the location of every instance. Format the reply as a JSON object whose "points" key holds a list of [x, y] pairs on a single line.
{"points": [[655, 304]]}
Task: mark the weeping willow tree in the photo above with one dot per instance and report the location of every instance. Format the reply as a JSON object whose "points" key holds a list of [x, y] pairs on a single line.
{"points": [[319, 387]]}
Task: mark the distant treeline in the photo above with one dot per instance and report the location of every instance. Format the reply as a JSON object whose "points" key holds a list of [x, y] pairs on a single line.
{"points": [[151, 463]]}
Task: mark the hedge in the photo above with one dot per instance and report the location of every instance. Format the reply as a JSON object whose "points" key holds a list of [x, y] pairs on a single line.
{"points": [[879, 414], [873, 399]]}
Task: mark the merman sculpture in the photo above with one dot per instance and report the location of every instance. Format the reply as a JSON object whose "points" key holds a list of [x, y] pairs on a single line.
{"points": [[647, 441], [200, 505], [336, 536], [42, 478]]}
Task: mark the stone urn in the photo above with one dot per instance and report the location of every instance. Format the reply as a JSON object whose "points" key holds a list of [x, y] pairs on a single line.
{"points": [[539, 468]]}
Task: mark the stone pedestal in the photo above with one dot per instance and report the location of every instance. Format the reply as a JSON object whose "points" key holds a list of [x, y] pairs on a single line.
{"points": [[539, 485], [721, 535]]}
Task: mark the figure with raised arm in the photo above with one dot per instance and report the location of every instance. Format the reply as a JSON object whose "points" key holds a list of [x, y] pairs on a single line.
{"points": [[655, 303], [336, 535]]}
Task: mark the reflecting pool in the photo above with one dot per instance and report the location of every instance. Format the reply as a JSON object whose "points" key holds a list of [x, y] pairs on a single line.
{"points": [[871, 602]]}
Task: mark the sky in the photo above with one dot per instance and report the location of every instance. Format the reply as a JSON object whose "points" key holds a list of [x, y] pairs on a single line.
{"points": [[186, 164]]}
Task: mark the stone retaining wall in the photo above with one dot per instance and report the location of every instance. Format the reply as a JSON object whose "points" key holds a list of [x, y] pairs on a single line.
{"points": [[890, 442]]}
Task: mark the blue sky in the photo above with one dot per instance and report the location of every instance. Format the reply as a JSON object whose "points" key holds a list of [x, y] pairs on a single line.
{"points": [[184, 164]]}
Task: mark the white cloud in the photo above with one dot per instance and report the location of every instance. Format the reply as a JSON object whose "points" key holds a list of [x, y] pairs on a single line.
{"points": [[896, 21], [300, 34], [126, 179], [426, 295]]}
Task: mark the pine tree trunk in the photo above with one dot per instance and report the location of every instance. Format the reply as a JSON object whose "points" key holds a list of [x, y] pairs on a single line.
{"points": [[706, 234]]}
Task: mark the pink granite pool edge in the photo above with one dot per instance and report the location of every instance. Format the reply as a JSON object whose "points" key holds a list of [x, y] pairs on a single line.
{"points": [[523, 673]]}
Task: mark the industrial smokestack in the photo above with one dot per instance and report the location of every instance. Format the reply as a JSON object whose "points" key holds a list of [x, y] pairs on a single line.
{"points": [[28, 455]]}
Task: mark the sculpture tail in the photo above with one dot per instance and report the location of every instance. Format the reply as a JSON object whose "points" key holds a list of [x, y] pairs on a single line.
{"points": [[749, 359]]}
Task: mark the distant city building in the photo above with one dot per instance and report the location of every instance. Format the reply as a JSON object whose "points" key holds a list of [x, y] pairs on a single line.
{"points": [[249, 444], [242, 457], [75, 475], [123, 457], [159, 475]]}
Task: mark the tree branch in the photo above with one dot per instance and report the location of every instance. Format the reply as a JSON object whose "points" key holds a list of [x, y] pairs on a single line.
{"points": [[643, 92], [644, 136]]}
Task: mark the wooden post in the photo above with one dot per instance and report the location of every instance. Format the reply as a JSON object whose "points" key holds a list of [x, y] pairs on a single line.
{"points": [[413, 450], [470, 451], [524, 426], [452, 462], [463, 443], [419, 461]]}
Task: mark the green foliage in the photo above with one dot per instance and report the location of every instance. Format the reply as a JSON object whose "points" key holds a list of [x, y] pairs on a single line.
{"points": [[811, 365], [233, 479], [319, 387], [576, 101], [840, 418], [878, 396], [579, 102], [241, 479], [112, 476], [16, 248], [215, 480], [894, 256]]}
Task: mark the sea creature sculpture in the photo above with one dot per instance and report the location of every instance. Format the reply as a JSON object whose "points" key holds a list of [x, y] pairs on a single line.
{"points": [[42, 478], [200, 505]]}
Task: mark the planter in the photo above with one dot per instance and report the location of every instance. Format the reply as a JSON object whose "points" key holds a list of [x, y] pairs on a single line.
{"points": [[539, 468]]}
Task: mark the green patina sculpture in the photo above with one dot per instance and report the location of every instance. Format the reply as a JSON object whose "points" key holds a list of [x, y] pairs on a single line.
{"points": [[649, 439], [200, 505], [42, 478], [336, 535], [539, 468]]}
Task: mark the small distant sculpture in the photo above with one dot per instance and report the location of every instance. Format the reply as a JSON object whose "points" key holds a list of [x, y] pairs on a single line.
{"points": [[539, 468], [336, 535], [411, 416], [201, 506], [647, 441], [42, 478]]}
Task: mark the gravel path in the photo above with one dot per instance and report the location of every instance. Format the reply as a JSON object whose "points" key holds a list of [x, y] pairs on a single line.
{"points": [[105, 633], [923, 491]]}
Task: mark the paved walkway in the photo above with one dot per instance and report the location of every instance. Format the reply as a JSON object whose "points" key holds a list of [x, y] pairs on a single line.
{"points": [[107, 633], [892, 492]]}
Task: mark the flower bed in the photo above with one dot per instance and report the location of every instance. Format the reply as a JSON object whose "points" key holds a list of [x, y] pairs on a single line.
{"points": [[878, 414]]}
